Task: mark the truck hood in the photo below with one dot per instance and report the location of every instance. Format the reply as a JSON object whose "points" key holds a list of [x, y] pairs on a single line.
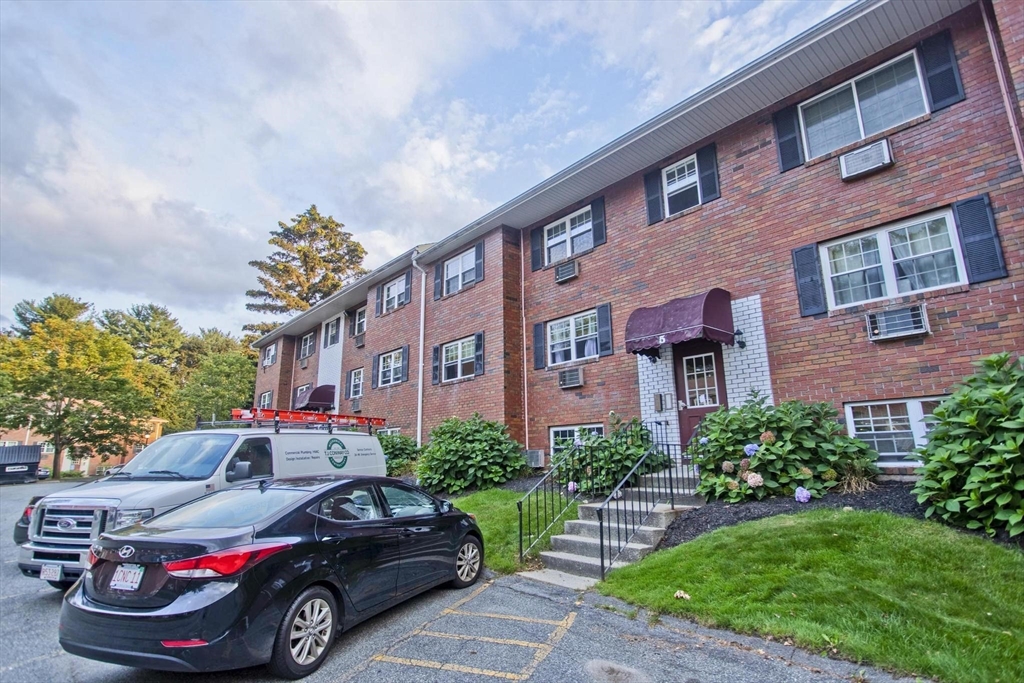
{"points": [[158, 495]]}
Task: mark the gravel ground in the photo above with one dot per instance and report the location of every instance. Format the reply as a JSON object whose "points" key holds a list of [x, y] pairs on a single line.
{"points": [[892, 497]]}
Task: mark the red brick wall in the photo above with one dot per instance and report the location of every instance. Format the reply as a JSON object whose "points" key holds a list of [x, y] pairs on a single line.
{"points": [[743, 241], [302, 376], [1009, 15], [277, 377]]}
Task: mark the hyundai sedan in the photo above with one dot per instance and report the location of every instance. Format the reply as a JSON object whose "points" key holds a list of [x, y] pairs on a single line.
{"points": [[267, 573]]}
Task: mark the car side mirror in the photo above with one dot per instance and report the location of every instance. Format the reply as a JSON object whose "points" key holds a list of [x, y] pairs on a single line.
{"points": [[241, 470], [445, 507]]}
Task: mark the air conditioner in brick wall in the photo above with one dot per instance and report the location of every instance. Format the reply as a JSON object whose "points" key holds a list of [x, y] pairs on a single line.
{"points": [[568, 379], [567, 271], [360, 340], [303, 363], [866, 160], [535, 458], [895, 323], [356, 407]]}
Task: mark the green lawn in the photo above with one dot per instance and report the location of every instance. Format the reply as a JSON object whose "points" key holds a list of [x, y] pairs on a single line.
{"points": [[907, 595], [498, 517]]}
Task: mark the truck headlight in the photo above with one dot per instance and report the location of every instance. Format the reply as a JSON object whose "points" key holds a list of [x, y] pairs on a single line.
{"points": [[128, 517]]}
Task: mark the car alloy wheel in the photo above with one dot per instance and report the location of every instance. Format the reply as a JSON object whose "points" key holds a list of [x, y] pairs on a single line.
{"points": [[310, 632], [467, 564]]}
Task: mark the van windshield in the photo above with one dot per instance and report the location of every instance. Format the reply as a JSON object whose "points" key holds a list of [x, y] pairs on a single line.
{"points": [[180, 456]]}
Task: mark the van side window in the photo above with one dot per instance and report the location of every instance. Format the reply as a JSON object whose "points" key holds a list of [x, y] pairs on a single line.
{"points": [[258, 453], [352, 505]]}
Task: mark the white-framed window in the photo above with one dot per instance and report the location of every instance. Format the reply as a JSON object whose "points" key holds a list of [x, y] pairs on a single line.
{"points": [[265, 399], [389, 430], [270, 354], [47, 447], [307, 346], [300, 391], [569, 235], [701, 380], [137, 448], [459, 271], [355, 388], [360, 325], [563, 437], [458, 359], [10, 443], [331, 332], [573, 338], [390, 368], [681, 188], [394, 294], [915, 255], [892, 428], [877, 100]]}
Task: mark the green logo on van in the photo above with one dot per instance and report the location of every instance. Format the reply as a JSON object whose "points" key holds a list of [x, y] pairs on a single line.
{"points": [[337, 453]]}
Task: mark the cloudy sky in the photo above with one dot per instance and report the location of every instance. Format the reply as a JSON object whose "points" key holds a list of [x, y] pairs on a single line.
{"points": [[147, 149]]}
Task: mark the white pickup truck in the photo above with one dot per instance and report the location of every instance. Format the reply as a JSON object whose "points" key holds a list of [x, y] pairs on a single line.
{"points": [[174, 470]]}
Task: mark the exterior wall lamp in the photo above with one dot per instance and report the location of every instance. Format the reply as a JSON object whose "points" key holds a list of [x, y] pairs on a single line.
{"points": [[738, 338]]}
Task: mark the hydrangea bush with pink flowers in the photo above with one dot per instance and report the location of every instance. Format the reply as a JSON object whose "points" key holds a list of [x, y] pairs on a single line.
{"points": [[757, 450]]}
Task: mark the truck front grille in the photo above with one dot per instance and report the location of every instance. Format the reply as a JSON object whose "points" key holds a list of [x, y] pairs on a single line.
{"points": [[71, 524]]}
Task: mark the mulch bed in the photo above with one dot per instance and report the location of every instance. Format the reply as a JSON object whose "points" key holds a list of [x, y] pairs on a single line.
{"points": [[892, 497]]}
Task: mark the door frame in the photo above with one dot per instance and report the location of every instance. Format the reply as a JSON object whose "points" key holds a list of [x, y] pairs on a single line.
{"points": [[682, 351]]}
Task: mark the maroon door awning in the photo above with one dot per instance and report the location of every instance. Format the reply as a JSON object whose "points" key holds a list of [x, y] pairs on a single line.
{"points": [[702, 316], [320, 397]]}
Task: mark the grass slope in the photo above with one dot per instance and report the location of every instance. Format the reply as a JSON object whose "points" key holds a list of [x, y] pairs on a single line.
{"points": [[895, 592]]}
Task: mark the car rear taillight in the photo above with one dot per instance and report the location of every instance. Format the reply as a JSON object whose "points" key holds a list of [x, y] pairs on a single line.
{"points": [[27, 514], [223, 562], [183, 643]]}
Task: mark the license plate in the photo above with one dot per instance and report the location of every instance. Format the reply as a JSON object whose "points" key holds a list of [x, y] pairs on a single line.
{"points": [[52, 572], [127, 577]]}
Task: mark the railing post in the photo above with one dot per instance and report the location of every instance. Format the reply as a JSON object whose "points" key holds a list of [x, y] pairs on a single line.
{"points": [[519, 504], [671, 489], [600, 536]]}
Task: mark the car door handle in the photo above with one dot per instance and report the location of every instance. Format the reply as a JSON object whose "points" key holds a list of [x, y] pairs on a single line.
{"points": [[413, 530]]}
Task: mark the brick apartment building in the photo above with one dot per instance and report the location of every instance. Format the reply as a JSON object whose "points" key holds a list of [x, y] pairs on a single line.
{"points": [[841, 220], [87, 466]]}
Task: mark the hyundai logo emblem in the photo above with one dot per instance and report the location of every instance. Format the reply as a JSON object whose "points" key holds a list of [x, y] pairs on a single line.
{"points": [[126, 551], [66, 524]]}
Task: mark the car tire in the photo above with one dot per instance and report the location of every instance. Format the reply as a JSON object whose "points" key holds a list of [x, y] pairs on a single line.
{"points": [[300, 651], [469, 562], [62, 586]]}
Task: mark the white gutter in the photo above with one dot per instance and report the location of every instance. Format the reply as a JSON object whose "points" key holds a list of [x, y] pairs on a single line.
{"points": [[419, 381]]}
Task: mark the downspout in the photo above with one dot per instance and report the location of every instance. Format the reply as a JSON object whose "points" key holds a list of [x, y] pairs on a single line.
{"points": [[342, 335], [1003, 84], [522, 312], [419, 382]]}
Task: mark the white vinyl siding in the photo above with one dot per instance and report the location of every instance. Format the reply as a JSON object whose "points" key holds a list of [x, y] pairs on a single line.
{"points": [[569, 236], [572, 338], [892, 428], [459, 271], [390, 368], [458, 359], [681, 188]]}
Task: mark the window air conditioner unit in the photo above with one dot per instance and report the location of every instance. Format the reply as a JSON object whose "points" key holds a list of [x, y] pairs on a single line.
{"points": [[898, 322], [535, 458], [303, 363], [360, 340], [355, 405], [567, 271], [267, 362], [868, 159], [567, 379]]}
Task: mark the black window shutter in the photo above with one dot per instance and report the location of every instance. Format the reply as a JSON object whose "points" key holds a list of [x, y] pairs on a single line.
{"points": [[313, 345], [537, 248], [374, 371], [436, 366], [438, 280], [809, 285], [298, 348], [405, 363], [479, 261], [348, 385], [787, 138], [604, 330], [979, 239], [538, 347], [941, 75], [407, 297], [380, 301], [597, 221], [337, 331], [351, 323], [271, 399], [327, 336], [478, 347], [707, 172], [652, 189]]}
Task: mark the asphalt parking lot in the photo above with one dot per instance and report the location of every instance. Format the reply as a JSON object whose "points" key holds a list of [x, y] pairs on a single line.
{"points": [[505, 628]]}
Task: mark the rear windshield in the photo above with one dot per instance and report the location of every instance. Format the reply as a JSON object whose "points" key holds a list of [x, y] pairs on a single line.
{"points": [[180, 456], [230, 508]]}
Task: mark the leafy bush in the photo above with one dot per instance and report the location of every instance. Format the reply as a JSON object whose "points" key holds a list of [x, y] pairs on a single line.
{"points": [[973, 472], [400, 453], [757, 450], [71, 474], [598, 463], [469, 454]]}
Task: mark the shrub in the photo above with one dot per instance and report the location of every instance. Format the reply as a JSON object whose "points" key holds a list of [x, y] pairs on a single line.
{"points": [[599, 463], [400, 453], [757, 450], [71, 474], [973, 473], [469, 454]]}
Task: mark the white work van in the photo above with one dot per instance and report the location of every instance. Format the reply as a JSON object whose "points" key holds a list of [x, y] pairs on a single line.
{"points": [[176, 469]]}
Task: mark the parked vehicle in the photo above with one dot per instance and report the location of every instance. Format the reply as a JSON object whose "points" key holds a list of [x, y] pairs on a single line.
{"points": [[21, 526], [176, 469], [268, 573], [43, 473]]}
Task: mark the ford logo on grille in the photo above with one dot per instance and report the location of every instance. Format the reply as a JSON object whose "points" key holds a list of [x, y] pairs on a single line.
{"points": [[66, 524], [126, 551]]}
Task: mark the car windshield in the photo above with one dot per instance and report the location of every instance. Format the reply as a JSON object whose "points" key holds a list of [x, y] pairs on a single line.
{"points": [[230, 508], [177, 456]]}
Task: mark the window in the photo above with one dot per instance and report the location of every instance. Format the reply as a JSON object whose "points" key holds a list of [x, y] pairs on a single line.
{"points": [[570, 235], [573, 338], [47, 447], [459, 359], [265, 399], [356, 384], [405, 502], [701, 381], [563, 438], [394, 294], [360, 324], [459, 272], [893, 428], [390, 368], [390, 430], [9, 443], [681, 186], [137, 448], [912, 256], [308, 345], [300, 392], [878, 100], [270, 354], [331, 332], [351, 505], [257, 453]]}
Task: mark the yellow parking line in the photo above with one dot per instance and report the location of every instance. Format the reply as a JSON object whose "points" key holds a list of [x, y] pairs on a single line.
{"points": [[541, 655], [510, 617], [427, 664], [484, 639]]}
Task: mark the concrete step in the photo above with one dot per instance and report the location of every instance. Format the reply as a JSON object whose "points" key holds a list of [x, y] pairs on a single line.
{"points": [[590, 547], [626, 512], [575, 564], [660, 495], [649, 535]]}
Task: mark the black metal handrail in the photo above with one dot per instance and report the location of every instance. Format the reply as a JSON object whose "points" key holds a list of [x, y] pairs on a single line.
{"points": [[553, 496]]}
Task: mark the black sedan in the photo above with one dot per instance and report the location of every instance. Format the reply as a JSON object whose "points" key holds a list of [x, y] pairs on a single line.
{"points": [[267, 573]]}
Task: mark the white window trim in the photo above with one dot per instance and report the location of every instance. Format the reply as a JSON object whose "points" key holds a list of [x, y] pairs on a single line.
{"points": [[399, 285], [389, 430], [360, 330], [885, 252], [358, 372], [852, 83], [47, 447], [270, 354], [458, 261], [270, 397], [696, 181], [396, 369], [299, 390], [458, 363], [310, 347], [9, 443], [567, 219], [577, 428], [714, 374], [572, 339], [330, 328], [917, 424]]}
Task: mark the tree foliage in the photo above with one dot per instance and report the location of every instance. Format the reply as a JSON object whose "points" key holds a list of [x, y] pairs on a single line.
{"points": [[63, 306], [152, 332], [221, 382]]}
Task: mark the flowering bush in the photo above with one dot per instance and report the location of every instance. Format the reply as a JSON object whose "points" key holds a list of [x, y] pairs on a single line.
{"points": [[757, 450], [596, 464], [802, 495]]}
